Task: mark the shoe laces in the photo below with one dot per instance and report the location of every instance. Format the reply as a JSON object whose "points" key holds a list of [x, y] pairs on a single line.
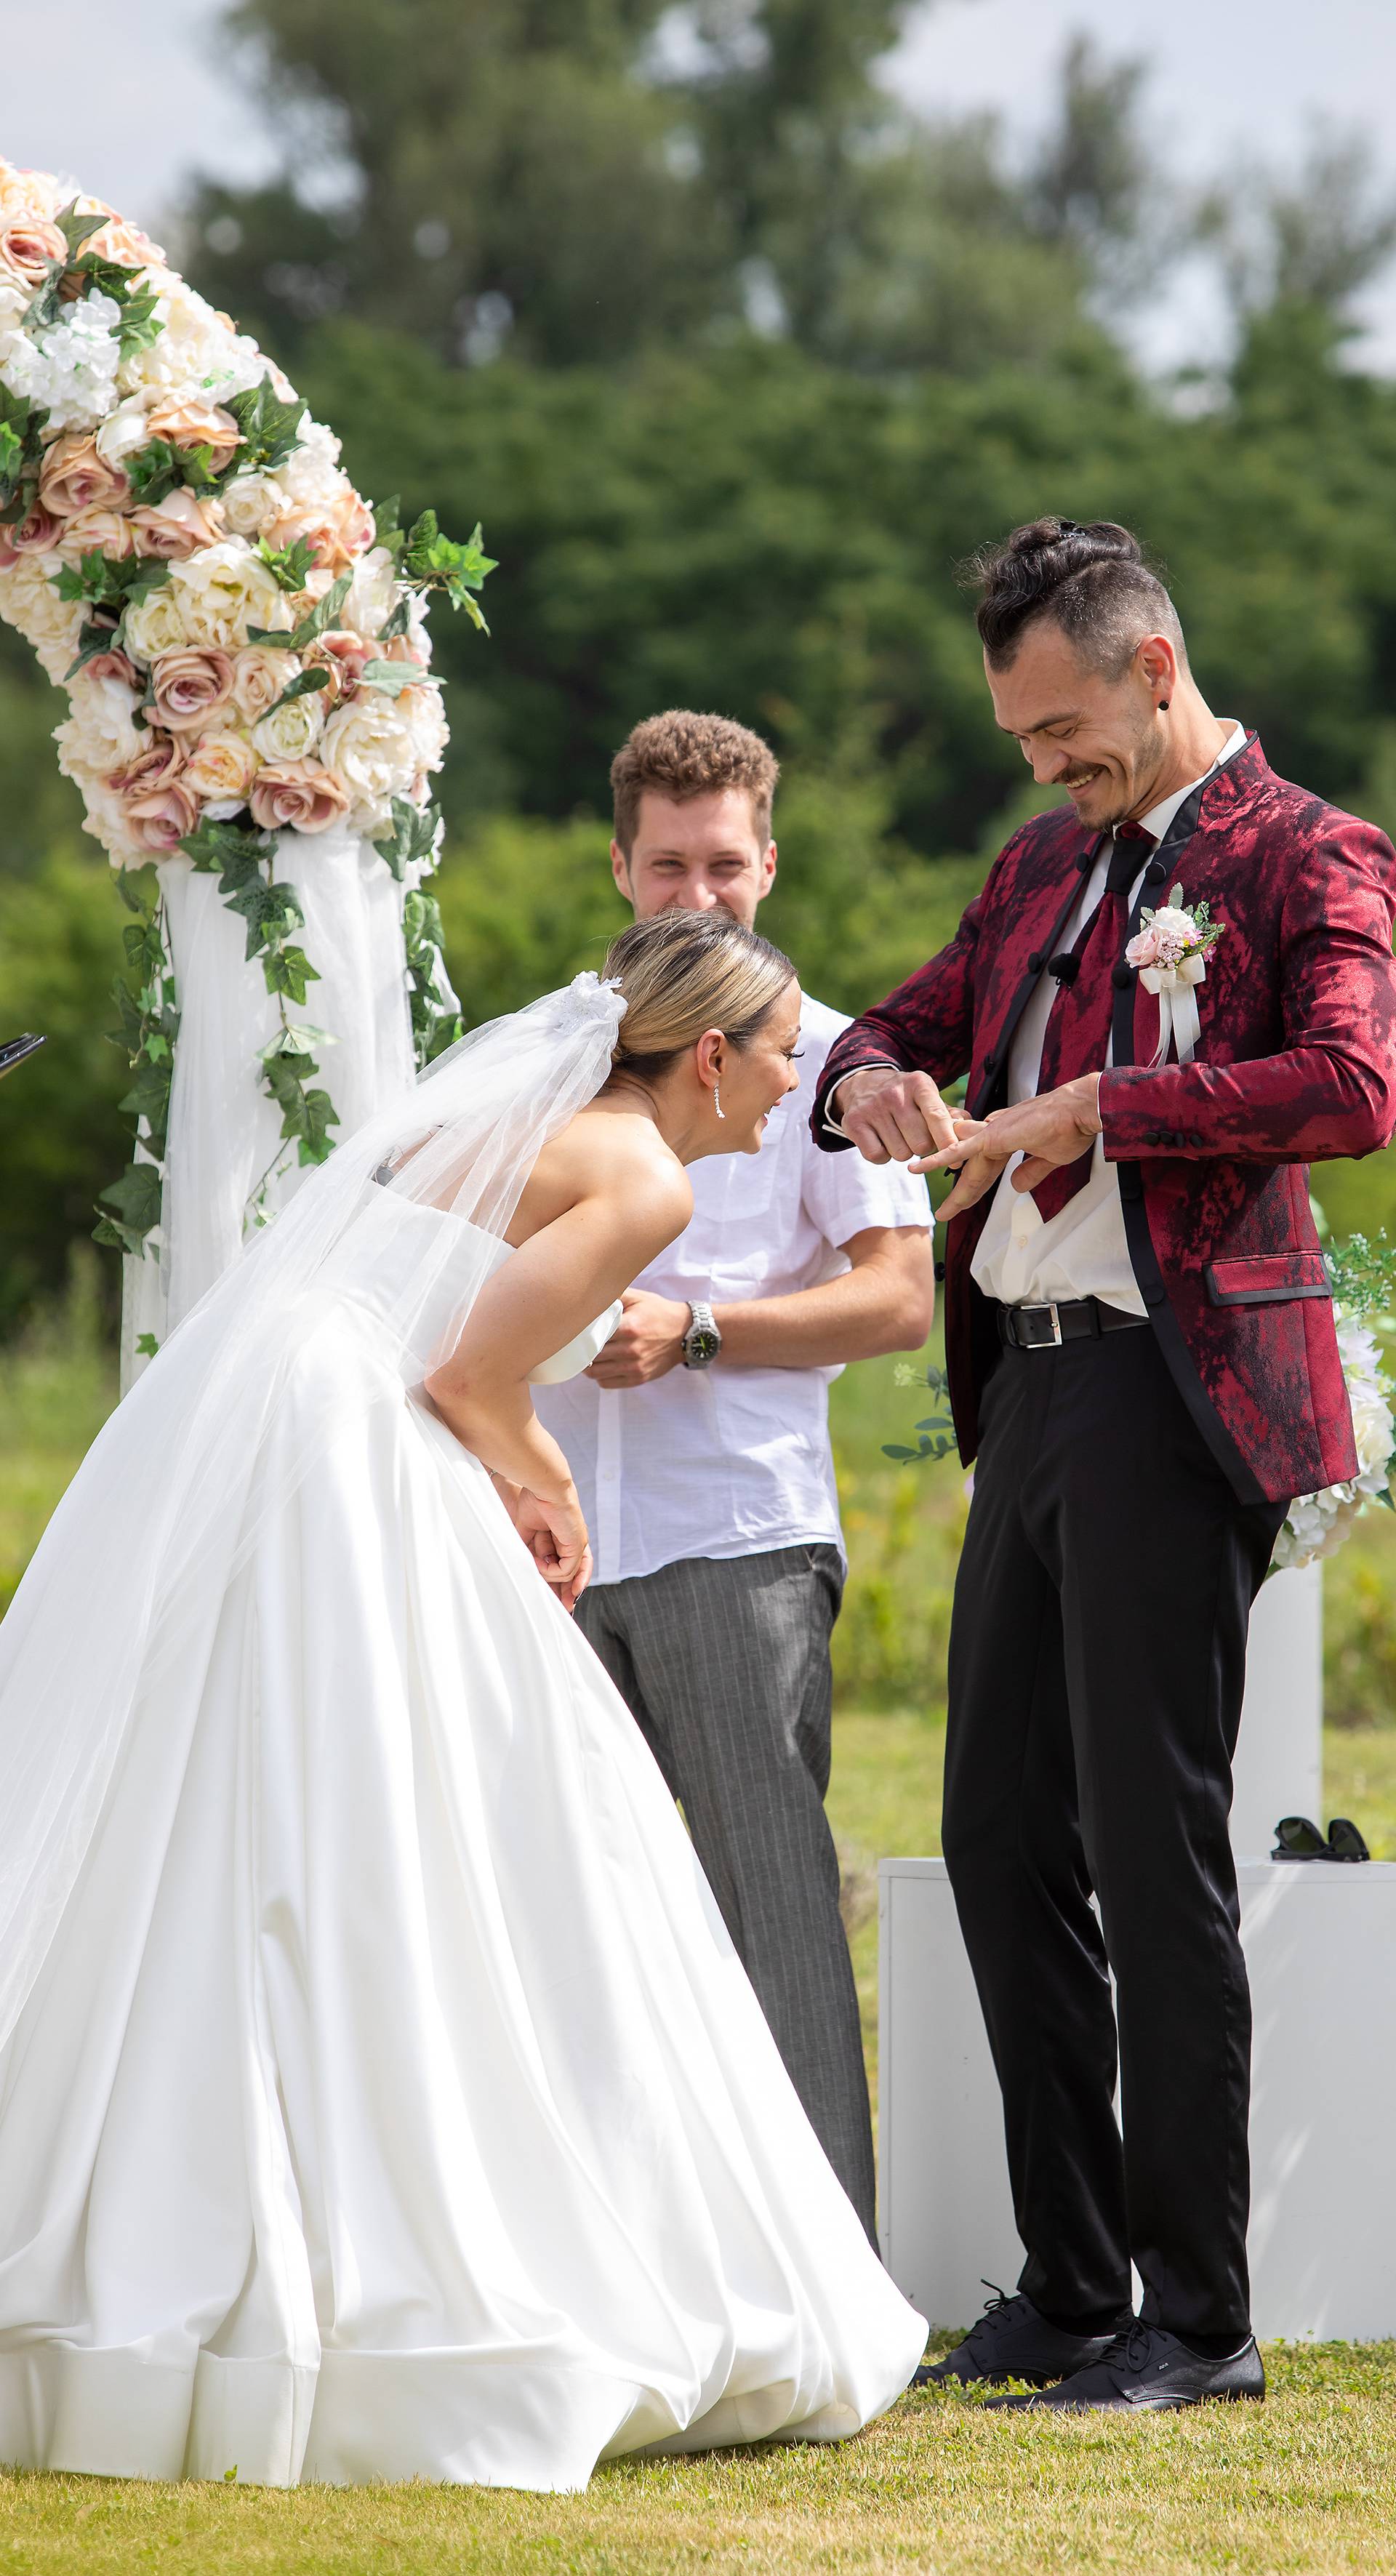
{"points": [[1129, 2349], [995, 2309]]}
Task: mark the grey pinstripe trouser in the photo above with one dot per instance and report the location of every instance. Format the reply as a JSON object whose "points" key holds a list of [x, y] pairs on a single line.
{"points": [[725, 1663]]}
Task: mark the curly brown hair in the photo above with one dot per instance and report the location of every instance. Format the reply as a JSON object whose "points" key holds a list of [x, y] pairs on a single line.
{"points": [[680, 754]]}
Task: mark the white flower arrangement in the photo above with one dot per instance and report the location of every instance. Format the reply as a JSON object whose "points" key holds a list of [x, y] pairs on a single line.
{"points": [[1316, 1525], [163, 493], [242, 637]]}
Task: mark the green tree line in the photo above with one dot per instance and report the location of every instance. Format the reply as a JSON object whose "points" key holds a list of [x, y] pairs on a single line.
{"points": [[737, 363]]}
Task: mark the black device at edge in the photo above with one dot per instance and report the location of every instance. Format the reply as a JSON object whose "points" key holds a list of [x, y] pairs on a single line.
{"points": [[14, 1050]]}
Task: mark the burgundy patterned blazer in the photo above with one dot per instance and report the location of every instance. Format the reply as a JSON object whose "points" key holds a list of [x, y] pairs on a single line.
{"points": [[1296, 1064]]}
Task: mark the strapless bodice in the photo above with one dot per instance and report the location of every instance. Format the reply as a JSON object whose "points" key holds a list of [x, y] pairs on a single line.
{"points": [[416, 1268]]}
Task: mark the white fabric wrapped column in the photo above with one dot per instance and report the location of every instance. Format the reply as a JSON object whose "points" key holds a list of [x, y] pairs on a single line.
{"points": [[224, 1130]]}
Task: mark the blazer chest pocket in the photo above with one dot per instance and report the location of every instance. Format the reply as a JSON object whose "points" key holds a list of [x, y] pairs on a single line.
{"points": [[1266, 1278]]}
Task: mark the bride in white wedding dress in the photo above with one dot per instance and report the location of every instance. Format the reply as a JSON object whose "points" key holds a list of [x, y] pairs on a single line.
{"points": [[380, 2094]]}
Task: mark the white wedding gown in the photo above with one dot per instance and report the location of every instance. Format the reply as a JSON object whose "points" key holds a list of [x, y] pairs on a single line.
{"points": [[391, 2102]]}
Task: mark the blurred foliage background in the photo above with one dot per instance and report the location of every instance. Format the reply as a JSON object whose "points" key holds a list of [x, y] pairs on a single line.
{"points": [[737, 360]]}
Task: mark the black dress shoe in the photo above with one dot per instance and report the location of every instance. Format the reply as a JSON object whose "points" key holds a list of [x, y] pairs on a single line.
{"points": [[1147, 2369], [1012, 2341]]}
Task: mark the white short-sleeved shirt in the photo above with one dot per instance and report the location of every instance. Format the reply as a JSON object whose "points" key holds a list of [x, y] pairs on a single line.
{"points": [[729, 1461]]}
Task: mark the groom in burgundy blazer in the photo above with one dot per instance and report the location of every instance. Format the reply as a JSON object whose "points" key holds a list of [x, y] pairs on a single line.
{"points": [[1141, 1349]]}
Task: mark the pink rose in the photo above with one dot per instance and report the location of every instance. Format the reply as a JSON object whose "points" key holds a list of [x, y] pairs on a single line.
{"points": [[29, 245], [159, 763], [38, 528], [73, 478], [189, 420], [190, 686], [159, 817], [297, 796], [338, 530], [176, 526], [343, 655]]}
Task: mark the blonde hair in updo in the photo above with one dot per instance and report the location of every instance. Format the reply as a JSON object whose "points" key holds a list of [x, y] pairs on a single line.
{"points": [[684, 972]]}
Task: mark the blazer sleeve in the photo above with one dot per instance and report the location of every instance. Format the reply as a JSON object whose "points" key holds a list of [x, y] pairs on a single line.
{"points": [[1331, 1090], [925, 1026]]}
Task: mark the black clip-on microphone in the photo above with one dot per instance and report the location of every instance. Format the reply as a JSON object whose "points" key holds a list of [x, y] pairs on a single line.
{"points": [[1066, 968]]}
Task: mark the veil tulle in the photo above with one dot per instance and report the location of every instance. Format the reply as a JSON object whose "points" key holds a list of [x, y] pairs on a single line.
{"points": [[132, 1574]]}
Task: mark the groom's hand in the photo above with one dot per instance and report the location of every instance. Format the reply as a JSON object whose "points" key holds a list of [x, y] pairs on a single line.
{"points": [[647, 1342], [892, 1116], [1057, 1127]]}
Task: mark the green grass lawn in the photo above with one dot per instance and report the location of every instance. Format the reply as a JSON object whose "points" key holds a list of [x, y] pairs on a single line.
{"points": [[1307, 2482]]}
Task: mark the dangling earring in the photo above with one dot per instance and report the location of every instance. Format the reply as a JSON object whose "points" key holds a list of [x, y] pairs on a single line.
{"points": [[717, 1100]]}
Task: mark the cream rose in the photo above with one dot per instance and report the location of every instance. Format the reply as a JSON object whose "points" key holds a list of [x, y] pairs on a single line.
{"points": [[290, 732], [369, 745], [343, 656], [154, 625], [101, 733], [176, 526], [29, 245], [125, 431], [372, 593], [189, 419], [260, 674], [223, 590], [106, 532], [27, 192], [249, 501], [73, 478], [30, 602], [105, 819], [190, 686], [220, 769], [297, 796]]}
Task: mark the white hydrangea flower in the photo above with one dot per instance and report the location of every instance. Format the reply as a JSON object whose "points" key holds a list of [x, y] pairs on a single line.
{"points": [[311, 472], [70, 369], [194, 347], [1317, 1524]]}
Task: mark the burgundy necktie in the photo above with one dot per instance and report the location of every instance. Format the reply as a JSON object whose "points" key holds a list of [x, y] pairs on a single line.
{"points": [[1078, 1026]]}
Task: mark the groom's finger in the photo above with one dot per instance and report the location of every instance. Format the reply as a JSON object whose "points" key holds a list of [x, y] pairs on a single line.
{"points": [[978, 1176]]}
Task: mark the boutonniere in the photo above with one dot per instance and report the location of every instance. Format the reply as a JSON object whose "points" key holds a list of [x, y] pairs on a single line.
{"points": [[1171, 950]]}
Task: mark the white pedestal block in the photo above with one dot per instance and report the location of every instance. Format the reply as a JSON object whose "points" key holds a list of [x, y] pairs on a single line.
{"points": [[1320, 1944], [1279, 1753]]}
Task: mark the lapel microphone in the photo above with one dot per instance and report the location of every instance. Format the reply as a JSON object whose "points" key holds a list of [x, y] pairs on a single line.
{"points": [[1065, 968]]}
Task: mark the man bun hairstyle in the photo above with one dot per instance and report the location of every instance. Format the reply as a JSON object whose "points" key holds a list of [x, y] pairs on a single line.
{"points": [[684, 972], [1091, 580], [680, 754]]}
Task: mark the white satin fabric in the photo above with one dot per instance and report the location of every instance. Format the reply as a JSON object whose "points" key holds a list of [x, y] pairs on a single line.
{"points": [[391, 2102]]}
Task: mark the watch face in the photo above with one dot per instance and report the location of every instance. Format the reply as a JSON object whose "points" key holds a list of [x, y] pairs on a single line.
{"points": [[701, 1345]]}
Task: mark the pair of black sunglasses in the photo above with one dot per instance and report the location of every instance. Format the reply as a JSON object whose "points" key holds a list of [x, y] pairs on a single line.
{"points": [[1297, 1839]]}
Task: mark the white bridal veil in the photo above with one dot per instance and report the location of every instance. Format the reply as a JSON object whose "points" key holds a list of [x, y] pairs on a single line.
{"points": [[131, 1575]]}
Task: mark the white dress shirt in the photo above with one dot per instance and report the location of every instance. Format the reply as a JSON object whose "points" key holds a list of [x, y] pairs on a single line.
{"points": [[729, 1461], [1022, 1258]]}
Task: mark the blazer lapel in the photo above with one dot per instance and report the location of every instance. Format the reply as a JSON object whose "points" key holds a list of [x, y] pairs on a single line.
{"points": [[1037, 934]]}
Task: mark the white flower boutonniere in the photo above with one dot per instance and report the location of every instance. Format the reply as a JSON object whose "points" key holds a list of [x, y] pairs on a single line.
{"points": [[1171, 950]]}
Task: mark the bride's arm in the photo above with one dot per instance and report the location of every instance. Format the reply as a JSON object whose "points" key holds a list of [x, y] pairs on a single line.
{"points": [[628, 1206]]}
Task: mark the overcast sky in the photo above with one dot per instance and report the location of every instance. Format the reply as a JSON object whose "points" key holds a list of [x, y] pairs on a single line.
{"points": [[140, 95]]}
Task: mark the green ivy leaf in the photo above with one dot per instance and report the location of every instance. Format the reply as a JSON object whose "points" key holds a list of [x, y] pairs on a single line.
{"points": [[302, 684], [321, 616], [299, 1038], [135, 1200], [270, 428], [413, 835], [441, 563], [270, 912], [393, 677], [77, 229], [146, 1346], [290, 565], [288, 971]]}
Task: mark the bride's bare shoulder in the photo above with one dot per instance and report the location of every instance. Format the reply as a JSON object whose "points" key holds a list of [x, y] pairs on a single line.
{"points": [[614, 1156]]}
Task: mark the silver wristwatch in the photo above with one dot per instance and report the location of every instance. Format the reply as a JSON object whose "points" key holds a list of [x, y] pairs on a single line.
{"points": [[702, 1341]]}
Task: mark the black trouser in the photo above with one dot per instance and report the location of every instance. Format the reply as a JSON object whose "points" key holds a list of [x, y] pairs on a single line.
{"points": [[1097, 1662]]}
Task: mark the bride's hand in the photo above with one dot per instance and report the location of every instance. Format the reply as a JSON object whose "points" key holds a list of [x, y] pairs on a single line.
{"points": [[555, 1535]]}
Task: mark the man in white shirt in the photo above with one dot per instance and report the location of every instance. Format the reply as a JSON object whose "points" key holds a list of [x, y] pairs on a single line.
{"points": [[699, 1441]]}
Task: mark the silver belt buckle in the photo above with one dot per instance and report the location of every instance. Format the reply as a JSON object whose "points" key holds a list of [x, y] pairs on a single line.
{"points": [[1055, 1342]]}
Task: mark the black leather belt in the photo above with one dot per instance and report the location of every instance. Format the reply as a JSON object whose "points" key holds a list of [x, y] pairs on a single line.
{"points": [[1075, 1319]]}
